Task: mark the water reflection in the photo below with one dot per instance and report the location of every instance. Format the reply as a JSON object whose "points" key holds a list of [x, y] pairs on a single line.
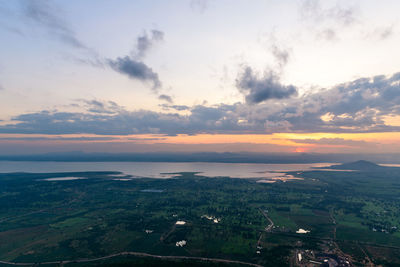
{"points": [[162, 169]]}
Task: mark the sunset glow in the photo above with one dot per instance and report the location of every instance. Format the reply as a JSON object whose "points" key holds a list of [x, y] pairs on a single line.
{"points": [[242, 82]]}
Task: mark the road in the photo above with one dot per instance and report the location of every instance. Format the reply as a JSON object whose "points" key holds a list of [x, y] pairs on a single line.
{"points": [[271, 223], [268, 228], [130, 253]]}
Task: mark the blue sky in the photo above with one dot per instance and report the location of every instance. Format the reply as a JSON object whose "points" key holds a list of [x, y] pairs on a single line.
{"points": [[178, 68]]}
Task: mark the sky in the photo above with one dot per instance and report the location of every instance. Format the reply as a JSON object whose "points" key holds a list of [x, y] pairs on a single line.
{"points": [[265, 76]]}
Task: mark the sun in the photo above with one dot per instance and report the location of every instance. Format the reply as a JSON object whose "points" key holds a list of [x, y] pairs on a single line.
{"points": [[300, 150]]}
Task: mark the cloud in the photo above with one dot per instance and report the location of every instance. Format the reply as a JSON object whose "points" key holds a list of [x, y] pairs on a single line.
{"points": [[80, 138], [144, 42], [145, 139], [12, 29], [199, 5], [328, 34], [95, 106], [358, 106], [166, 98], [46, 15], [281, 55], [381, 33], [312, 10], [327, 22], [135, 70], [58, 138], [133, 66], [331, 141], [176, 107], [386, 32], [346, 16], [258, 89], [201, 119]]}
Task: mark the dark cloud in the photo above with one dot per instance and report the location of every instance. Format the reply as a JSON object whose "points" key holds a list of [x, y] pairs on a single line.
{"points": [[95, 106], [176, 107], [202, 119], [145, 42], [58, 138], [135, 70], [46, 15], [259, 89], [81, 138], [357, 106], [133, 66], [166, 98]]}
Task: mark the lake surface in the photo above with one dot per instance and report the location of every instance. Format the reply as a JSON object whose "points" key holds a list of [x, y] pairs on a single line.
{"points": [[160, 169]]}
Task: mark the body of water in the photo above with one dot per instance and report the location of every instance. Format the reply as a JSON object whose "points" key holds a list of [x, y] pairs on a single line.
{"points": [[160, 169]]}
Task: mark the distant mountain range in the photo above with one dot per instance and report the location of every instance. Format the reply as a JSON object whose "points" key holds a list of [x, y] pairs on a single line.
{"points": [[241, 157], [361, 165]]}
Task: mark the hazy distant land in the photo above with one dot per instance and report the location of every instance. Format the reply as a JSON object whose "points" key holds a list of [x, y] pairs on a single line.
{"points": [[239, 157]]}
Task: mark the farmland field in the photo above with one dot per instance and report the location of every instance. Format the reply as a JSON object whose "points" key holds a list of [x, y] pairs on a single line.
{"points": [[351, 217]]}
